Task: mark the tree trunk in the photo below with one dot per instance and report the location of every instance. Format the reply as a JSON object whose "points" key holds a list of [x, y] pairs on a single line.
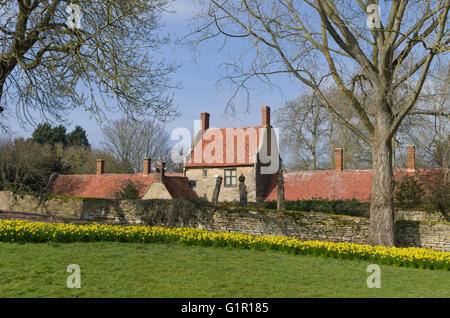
{"points": [[314, 152], [381, 229], [2, 83], [6, 68]]}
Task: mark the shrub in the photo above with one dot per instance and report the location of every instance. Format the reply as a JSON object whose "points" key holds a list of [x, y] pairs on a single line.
{"points": [[26, 166], [409, 192], [437, 190], [129, 191]]}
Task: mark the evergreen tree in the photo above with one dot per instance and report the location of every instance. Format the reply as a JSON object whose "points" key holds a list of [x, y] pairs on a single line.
{"points": [[78, 137], [59, 135], [43, 134]]}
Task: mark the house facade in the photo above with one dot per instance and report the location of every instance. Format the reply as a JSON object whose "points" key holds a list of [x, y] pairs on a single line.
{"points": [[251, 152]]}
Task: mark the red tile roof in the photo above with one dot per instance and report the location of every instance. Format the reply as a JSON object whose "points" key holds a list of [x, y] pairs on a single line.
{"points": [[106, 185], [245, 147], [331, 185]]}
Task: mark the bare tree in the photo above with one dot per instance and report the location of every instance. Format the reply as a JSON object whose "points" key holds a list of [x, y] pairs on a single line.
{"points": [[304, 123], [428, 125], [130, 141], [26, 166], [83, 160], [310, 133], [95, 55], [349, 42]]}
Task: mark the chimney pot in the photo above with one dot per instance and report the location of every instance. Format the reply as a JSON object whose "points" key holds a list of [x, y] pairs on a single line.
{"points": [[147, 166], [411, 156], [338, 159], [266, 116], [205, 121], [100, 166]]}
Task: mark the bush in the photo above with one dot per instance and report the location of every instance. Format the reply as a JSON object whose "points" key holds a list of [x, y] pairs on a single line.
{"points": [[409, 192], [129, 191], [437, 190], [26, 166]]}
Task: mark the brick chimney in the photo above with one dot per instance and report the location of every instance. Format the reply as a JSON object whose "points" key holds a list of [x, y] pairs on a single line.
{"points": [[205, 121], [100, 166], [158, 175], [147, 167], [411, 156], [266, 116], [338, 159]]}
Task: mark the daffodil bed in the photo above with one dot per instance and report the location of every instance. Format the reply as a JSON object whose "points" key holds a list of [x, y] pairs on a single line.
{"points": [[24, 231]]}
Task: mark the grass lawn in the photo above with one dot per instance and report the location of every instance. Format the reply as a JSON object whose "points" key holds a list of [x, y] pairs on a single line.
{"points": [[171, 270]]}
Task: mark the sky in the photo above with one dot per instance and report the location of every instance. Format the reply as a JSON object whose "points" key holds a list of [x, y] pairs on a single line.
{"points": [[198, 92]]}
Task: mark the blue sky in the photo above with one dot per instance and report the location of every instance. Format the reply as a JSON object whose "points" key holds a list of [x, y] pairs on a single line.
{"points": [[198, 90]]}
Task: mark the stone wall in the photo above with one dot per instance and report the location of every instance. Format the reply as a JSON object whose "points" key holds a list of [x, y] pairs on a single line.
{"points": [[227, 194], [157, 190], [169, 213], [422, 216], [70, 207]]}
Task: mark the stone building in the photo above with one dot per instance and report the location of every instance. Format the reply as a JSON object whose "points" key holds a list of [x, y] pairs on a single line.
{"points": [[231, 152]]}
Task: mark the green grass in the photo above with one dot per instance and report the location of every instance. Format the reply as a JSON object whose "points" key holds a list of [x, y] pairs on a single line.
{"points": [[172, 270]]}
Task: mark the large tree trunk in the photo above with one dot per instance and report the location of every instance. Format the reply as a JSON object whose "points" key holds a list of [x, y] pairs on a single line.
{"points": [[6, 68], [381, 229], [2, 83]]}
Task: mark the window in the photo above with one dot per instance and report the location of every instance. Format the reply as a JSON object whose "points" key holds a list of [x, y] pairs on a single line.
{"points": [[230, 178], [193, 184], [205, 173]]}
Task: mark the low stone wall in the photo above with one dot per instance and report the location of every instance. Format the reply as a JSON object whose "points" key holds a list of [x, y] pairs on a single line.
{"points": [[169, 213], [431, 235], [302, 225], [422, 216], [70, 207], [325, 227]]}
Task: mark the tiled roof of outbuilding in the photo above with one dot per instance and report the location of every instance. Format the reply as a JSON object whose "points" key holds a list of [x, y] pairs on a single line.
{"points": [[105, 186], [331, 185]]}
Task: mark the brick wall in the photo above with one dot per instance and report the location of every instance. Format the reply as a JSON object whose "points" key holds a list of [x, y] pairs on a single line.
{"points": [[305, 226]]}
